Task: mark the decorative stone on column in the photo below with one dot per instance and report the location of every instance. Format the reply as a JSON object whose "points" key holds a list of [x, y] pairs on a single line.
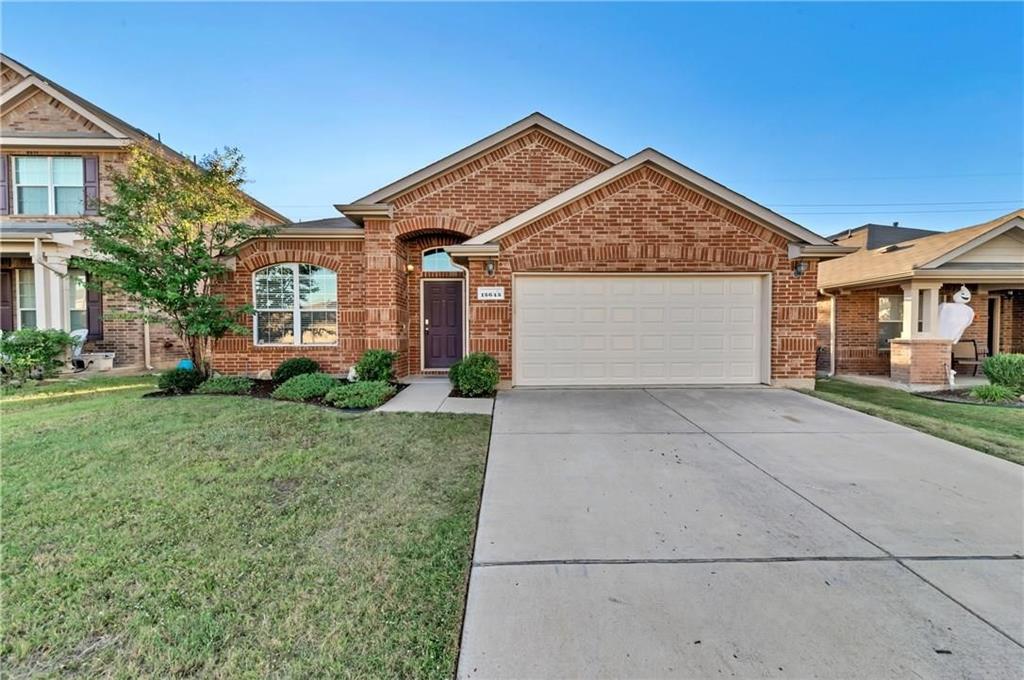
{"points": [[919, 361]]}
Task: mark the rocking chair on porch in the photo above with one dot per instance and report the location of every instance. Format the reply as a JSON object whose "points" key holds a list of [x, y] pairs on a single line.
{"points": [[965, 353]]}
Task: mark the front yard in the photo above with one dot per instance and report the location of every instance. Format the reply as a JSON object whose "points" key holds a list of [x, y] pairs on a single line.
{"points": [[998, 431], [230, 536]]}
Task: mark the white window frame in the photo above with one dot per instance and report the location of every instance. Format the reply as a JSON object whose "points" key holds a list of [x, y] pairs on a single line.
{"points": [[51, 188], [17, 297], [897, 306], [295, 309]]}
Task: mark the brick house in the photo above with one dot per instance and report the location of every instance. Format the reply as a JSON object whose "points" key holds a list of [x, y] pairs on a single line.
{"points": [[878, 312], [57, 153], [569, 263]]}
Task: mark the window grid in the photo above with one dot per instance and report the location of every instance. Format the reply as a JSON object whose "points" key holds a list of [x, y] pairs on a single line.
{"points": [[297, 303], [66, 186], [890, 319]]}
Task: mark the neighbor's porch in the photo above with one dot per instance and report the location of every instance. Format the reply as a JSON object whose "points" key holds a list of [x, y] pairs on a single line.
{"points": [[890, 334]]}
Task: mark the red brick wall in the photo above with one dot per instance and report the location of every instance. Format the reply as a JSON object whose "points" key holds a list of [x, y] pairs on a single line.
{"points": [[464, 201], [1012, 323], [857, 332], [646, 222], [238, 354]]}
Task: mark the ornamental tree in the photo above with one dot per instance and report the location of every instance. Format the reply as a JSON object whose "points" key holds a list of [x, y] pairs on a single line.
{"points": [[164, 240]]}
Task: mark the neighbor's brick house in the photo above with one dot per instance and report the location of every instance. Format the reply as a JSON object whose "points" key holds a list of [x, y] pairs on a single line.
{"points": [[58, 153], [885, 298], [567, 262]]}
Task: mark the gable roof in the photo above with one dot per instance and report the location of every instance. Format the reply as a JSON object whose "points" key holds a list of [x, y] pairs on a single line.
{"points": [[913, 256], [534, 120], [671, 167], [880, 235], [118, 129]]}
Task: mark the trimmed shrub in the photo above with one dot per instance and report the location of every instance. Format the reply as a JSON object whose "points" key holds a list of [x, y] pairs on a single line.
{"points": [[363, 394], [376, 365], [180, 380], [226, 384], [477, 375], [304, 387], [289, 368], [1006, 370], [995, 394], [33, 353]]}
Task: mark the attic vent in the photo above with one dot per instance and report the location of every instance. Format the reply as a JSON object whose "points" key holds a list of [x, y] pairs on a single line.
{"points": [[896, 246]]}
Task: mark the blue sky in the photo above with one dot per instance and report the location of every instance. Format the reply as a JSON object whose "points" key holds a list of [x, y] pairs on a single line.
{"points": [[814, 110]]}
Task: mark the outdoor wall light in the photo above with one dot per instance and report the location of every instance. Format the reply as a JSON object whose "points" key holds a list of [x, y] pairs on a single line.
{"points": [[410, 267], [800, 268], [489, 267]]}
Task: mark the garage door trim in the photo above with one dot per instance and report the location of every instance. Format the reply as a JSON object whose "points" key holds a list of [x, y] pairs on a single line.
{"points": [[766, 307]]}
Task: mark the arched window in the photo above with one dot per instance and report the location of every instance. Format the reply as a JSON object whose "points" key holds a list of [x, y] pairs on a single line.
{"points": [[436, 260], [296, 304]]}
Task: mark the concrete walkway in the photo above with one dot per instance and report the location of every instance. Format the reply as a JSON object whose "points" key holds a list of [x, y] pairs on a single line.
{"points": [[738, 533], [430, 395]]}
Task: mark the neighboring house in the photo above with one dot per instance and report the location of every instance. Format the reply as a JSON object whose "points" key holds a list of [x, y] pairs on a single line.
{"points": [[57, 153], [878, 311], [567, 262]]}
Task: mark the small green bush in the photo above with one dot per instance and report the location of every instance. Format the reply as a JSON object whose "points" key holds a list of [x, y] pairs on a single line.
{"points": [[33, 353], [226, 384], [1006, 370], [477, 375], [376, 365], [304, 387], [362, 394], [289, 368], [180, 380], [995, 394]]}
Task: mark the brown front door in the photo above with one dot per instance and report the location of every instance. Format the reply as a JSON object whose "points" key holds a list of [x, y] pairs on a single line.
{"points": [[442, 323]]}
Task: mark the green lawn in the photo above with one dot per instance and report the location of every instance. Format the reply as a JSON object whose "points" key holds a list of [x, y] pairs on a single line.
{"points": [[231, 537], [998, 431]]}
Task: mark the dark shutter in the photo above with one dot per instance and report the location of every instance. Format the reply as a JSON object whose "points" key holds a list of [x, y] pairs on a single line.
{"points": [[94, 310], [7, 300], [5, 185], [91, 171]]}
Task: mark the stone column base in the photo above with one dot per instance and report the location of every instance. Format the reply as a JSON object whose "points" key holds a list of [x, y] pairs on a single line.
{"points": [[919, 361]]}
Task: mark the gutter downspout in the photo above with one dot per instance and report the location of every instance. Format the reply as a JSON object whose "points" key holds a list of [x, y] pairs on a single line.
{"points": [[145, 341], [831, 332]]}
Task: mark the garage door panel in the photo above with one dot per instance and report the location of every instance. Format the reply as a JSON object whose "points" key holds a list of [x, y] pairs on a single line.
{"points": [[598, 330]]}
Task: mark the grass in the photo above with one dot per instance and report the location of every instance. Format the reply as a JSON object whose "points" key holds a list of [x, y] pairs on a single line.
{"points": [[230, 536], [997, 431]]}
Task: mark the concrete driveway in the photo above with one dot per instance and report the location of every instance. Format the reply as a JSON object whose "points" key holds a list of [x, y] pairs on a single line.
{"points": [[738, 533]]}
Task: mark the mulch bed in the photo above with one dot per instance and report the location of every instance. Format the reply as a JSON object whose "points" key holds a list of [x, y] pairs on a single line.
{"points": [[963, 396], [262, 389], [459, 395]]}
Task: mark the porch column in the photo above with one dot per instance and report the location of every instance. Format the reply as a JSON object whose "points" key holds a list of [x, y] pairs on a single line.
{"points": [[920, 303]]}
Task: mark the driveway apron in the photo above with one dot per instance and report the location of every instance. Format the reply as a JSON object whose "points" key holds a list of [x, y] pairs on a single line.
{"points": [[738, 533]]}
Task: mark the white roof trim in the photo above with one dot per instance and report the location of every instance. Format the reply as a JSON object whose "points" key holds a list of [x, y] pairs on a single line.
{"points": [[681, 172], [49, 142], [16, 67], [485, 144], [1012, 223], [24, 85]]}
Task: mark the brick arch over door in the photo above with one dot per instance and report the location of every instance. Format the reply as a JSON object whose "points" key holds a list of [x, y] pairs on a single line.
{"points": [[427, 224]]}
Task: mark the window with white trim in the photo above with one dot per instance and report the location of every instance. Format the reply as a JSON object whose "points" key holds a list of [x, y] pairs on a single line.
{"points": [[78, 301], [49, 185], [26, 282], [890, 319], [437, 260], [296, 304]]}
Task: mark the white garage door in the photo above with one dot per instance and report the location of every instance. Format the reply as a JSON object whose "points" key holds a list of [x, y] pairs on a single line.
{"points": [[638, 330]]}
